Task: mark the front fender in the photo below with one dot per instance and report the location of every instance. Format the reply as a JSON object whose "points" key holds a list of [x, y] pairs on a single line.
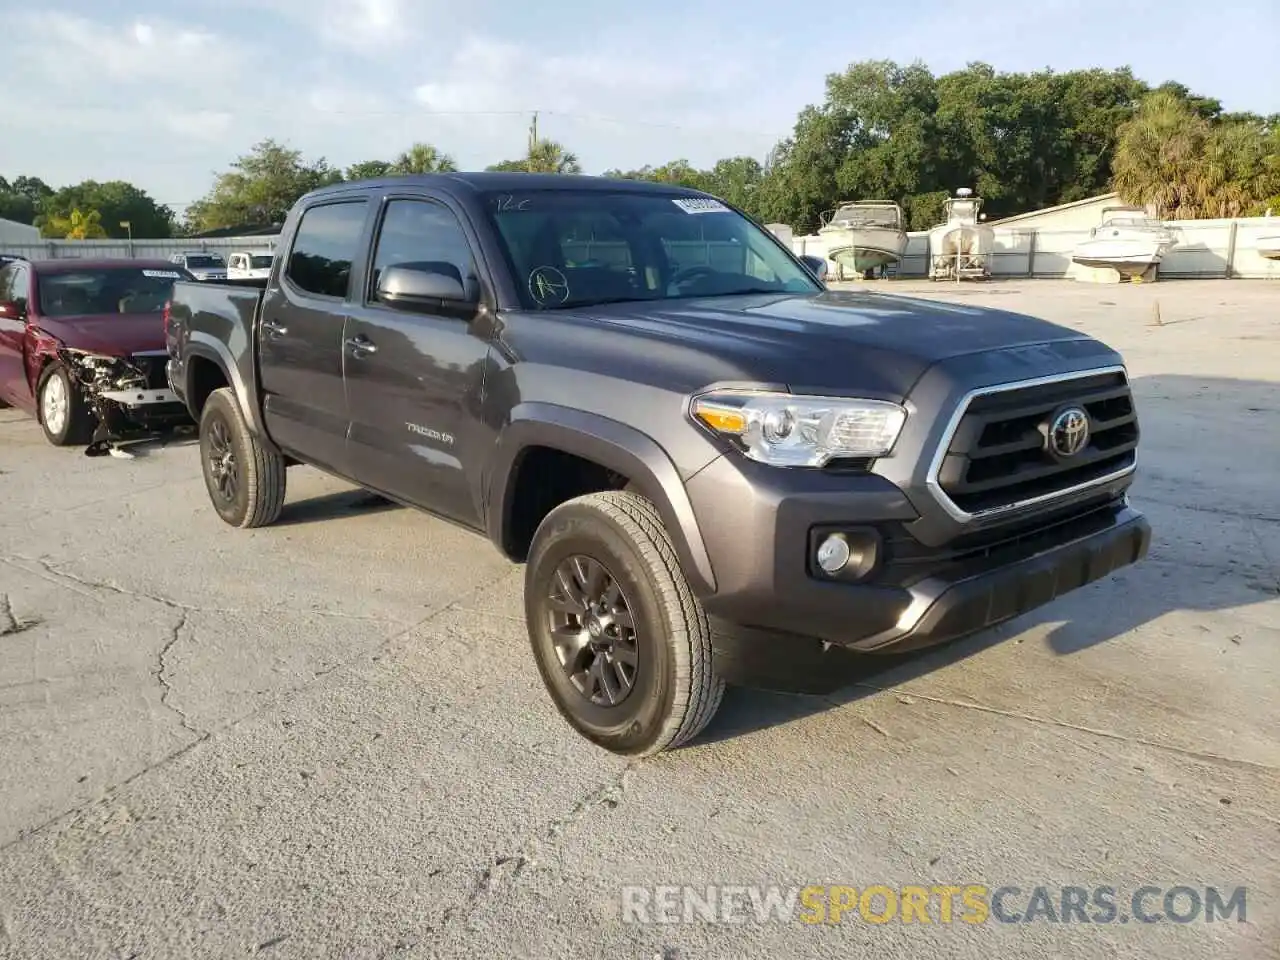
{"points": [[615, 446]]}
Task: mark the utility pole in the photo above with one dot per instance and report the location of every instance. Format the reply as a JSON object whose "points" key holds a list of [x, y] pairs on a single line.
{"points": [[533, 132]]}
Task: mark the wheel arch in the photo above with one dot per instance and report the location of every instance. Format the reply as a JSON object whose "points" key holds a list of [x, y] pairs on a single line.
{"points": [[633, 456], [201, 352]]}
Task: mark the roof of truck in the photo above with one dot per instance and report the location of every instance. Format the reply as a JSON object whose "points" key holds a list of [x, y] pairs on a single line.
{"points": [[494, 180]]}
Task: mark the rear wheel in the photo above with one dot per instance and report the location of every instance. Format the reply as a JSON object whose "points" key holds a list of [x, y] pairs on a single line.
{"points": [[245, 479], [65, 417], [622, 644]]}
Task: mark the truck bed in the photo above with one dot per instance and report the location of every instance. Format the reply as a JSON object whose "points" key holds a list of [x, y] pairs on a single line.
{"points": [[214, 319]]}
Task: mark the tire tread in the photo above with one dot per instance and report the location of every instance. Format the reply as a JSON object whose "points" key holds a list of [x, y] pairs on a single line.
{"points": [[698, 690], [264, 469]]}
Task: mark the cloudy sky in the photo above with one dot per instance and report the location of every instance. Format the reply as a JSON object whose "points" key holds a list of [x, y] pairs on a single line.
{"points": [[164, 94]]}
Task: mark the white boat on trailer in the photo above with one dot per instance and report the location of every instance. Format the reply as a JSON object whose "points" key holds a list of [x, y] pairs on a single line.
{"points": [[962, 246], [864, 236], [1127, 240]]}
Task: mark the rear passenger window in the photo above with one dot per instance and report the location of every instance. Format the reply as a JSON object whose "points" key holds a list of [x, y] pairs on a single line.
{"points": [[324, 248]]}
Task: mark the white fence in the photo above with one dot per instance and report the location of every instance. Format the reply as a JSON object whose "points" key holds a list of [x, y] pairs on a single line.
{"points": [[124, 249], [1204, 249]]}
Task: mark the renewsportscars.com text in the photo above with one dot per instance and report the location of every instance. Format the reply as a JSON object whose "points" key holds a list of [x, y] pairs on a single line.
{"points": [[969, 904]]}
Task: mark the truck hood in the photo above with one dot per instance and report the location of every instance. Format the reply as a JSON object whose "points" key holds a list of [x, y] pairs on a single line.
{"points": [[111, 334], [835, 342]]}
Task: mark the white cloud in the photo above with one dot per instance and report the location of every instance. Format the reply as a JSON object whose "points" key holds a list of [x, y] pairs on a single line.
{"points": [[488, 74], [371, 25], [166, 104], [617, 100]]}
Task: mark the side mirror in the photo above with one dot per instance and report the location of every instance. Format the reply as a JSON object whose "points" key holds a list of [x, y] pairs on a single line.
{"points": [[10, 310], [425, 285], [817, 266]]}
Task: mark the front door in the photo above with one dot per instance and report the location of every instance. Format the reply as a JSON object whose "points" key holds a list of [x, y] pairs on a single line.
{"points": [[15, 284], [414, 376], [304, 311]]}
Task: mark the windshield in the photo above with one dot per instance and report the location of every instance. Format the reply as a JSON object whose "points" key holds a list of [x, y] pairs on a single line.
{"points": [[570, 248], [123, 290], [203, 261], [260, 262]]}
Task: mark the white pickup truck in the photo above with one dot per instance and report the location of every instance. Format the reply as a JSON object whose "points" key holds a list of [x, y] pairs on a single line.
{"points": [[249, 264]]}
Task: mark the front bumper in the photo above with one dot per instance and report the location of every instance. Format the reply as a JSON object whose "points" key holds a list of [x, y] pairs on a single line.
{"points": [[758, 535], [981, 594]]}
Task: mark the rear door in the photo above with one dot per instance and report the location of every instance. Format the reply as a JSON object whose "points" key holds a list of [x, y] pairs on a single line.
{"points": [[300, 329], [414, 376]]}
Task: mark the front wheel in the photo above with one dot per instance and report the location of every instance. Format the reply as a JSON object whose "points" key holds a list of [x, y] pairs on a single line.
{"points": [[65, 417], [245, 479], [622, 644]]}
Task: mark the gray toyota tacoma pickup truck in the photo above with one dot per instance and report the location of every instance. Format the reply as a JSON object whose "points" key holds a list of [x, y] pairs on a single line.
{"points": [[642, 395]]}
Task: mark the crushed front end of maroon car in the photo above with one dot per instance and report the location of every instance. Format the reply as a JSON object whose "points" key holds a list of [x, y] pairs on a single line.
{"points": [[128, 396]]}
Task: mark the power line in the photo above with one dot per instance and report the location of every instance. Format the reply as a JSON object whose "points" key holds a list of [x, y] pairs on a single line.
{"points": [[45, 107]]}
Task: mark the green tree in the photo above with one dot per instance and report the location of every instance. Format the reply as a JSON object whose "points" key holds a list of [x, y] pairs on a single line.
{"points": [[1160, 157], [115, 201], [20, 199], [541, 156], [894, 132], [423, 158], [547, 156], [260, 188], [76, 225], [367, 170]]}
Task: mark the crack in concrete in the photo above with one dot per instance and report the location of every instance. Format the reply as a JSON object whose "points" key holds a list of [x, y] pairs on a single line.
{"points": [[9, 622], [202, 737], [58, 574], [1094, 731], [166, 690], [1198, 508], [505, 871]]}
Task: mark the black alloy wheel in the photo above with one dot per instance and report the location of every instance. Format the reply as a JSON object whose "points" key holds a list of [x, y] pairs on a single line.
{"points": [[593, 630], [224, 471]]}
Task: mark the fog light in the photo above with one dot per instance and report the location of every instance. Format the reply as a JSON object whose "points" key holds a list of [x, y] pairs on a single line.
{"points": [[833, 553]]}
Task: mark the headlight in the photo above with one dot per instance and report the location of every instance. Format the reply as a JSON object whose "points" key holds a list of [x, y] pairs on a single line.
{"points": [[786, 430]]}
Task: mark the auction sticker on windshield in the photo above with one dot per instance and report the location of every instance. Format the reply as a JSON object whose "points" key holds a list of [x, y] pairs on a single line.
{"points": [[163, 274], [700, 205]]}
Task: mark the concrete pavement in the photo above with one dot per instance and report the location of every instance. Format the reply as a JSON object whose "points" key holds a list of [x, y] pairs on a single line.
{"points": [[328, 737]]}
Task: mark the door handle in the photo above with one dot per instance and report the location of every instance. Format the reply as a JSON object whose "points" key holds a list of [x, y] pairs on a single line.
{"points": [[274, 328], [361, 345]]}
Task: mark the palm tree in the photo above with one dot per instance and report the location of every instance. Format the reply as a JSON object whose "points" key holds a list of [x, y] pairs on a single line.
{"points": [[547, 156], [423, 158], [1160, 157], [78, 225]]}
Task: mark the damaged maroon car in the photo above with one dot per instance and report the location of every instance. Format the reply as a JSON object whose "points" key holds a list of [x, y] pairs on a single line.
{"points": [[82, 348]]}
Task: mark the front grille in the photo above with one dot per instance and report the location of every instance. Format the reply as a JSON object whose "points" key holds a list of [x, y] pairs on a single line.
{"points": [[998, 456]]}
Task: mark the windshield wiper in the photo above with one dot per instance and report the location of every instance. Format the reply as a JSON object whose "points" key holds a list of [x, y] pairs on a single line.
{"points": [[598, 301]]}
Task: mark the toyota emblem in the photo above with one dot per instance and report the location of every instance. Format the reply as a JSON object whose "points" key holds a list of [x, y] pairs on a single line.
{"points": [[1068, 434]]}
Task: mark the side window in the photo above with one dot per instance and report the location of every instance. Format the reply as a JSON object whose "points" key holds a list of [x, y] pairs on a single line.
{"points": [[15, 284], [21, 285], [325, 246], [424, 235]]}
